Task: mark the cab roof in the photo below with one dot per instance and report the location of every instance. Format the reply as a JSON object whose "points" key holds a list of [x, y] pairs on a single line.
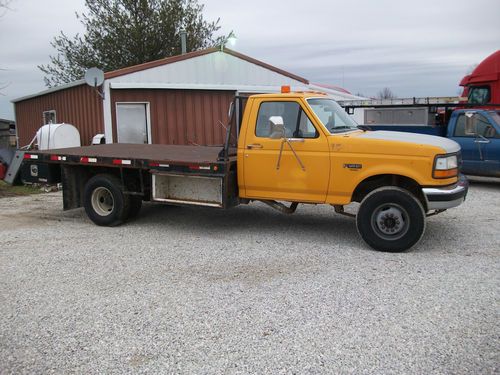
{"points": [[293, 94]]}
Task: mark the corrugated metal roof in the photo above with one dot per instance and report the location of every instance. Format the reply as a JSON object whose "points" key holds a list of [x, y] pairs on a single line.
{"points": [[216, 68], [162, 62], [212, 67], [190, 55], [51, 90]]}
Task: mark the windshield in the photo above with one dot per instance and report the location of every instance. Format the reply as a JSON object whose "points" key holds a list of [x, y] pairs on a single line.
{"points": [[332, 115]]}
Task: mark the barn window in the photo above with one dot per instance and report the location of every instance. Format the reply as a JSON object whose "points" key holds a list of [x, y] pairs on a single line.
{"points": [[49, 117]]}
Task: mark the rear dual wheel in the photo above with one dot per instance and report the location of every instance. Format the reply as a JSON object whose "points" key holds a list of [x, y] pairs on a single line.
{"points": [[391, 219], [106, 204]]}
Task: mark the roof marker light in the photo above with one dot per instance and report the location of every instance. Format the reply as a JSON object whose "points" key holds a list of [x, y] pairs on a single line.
{"points": [[285, 89]]}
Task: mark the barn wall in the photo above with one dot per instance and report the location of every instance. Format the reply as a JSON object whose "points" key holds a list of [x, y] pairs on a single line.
{"points": [[180, 117], [79, 106]]}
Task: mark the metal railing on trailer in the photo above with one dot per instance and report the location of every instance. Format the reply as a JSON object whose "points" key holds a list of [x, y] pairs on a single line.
{"points": [[431, 102]]}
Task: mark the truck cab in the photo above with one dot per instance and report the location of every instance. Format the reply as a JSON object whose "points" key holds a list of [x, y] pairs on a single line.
{"points": [[482, 86], [316, 153], [303, 147]]}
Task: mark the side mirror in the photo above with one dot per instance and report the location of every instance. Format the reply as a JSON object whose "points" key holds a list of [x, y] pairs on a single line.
{"points": [[277, 127], [470, 123]]}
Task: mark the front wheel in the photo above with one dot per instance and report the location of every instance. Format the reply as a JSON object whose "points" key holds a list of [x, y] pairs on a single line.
{"points": [[390, 219]]}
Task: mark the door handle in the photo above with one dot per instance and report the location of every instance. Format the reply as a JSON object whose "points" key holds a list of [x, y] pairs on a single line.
{"points": [[254, 145], [481, 141], [301, 140]]}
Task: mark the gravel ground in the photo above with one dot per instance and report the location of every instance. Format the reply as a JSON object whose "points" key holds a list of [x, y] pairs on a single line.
{"points": [[184, 290]]}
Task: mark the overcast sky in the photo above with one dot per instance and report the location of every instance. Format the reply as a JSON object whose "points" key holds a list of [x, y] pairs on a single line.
{"points": [[417, 48]]}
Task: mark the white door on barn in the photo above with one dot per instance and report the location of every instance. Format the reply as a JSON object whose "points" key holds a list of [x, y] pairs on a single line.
{"points": [[132, 123]]}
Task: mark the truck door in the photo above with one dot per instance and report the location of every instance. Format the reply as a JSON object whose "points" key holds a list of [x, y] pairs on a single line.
{"points": [[470, 150], [488, 141], [293, 167], [480, 144]]}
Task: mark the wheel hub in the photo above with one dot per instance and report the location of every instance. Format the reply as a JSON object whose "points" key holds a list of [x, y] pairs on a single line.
{"points": [[102, 201], [389, 220]]}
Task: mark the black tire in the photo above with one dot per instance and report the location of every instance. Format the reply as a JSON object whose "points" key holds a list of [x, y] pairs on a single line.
{"points": [[135, 206], [391, 219], [104, 201]]}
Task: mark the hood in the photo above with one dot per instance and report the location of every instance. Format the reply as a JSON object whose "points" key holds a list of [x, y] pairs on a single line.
{"points": [[446, 144]]}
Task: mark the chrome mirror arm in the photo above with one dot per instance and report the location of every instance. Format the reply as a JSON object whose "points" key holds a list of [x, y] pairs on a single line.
{"points": [[287, 141]]}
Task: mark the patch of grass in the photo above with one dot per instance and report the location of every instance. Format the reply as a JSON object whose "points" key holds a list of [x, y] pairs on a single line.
{"points": [[7, 190]]}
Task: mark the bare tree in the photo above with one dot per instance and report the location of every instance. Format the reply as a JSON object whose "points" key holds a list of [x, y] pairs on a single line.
{"points": [[4, 6], [386, 93], [3, 85]]}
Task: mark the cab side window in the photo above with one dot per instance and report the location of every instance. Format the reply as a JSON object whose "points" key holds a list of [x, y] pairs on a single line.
{"points": [[490, 132], [296, 122], [484, 128], [460, 127], [480, 124]]}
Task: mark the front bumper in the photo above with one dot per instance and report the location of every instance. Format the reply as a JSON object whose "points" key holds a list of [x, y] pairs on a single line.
{"points": [[446, 197]]}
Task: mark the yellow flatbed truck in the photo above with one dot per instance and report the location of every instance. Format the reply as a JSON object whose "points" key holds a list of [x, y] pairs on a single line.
{"points": [[290, 148]]}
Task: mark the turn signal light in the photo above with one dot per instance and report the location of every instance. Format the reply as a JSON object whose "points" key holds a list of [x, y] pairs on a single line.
{"points": [[446, 173]]}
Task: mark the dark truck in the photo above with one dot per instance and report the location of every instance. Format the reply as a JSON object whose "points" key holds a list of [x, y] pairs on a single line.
{"points": [[477, 131]]}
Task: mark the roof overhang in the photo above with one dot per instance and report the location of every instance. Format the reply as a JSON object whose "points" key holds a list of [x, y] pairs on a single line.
{"points": [[181, 86], [51, 90]]}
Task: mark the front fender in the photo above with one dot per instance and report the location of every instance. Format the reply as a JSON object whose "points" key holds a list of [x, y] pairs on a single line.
{"points": [[345, 177]]}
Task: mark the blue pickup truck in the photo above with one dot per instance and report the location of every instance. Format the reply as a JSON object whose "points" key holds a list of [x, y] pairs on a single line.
{"points": [[477, 131]]}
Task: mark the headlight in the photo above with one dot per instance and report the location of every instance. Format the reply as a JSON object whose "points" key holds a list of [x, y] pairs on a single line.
{"points": [[445, 166]]}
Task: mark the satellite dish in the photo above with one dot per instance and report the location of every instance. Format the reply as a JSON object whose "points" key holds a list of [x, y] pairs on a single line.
{"points": [[94, 77]]}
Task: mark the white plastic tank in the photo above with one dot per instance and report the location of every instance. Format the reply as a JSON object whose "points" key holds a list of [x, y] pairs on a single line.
{"points": [[53, 136]]}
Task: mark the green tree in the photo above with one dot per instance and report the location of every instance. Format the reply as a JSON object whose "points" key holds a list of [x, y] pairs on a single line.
{"points": [[121, 33]]}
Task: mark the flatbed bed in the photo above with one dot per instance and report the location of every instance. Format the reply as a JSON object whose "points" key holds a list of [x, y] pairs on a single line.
{"points": [[164, 153], [151, 157], [194, 175]]}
